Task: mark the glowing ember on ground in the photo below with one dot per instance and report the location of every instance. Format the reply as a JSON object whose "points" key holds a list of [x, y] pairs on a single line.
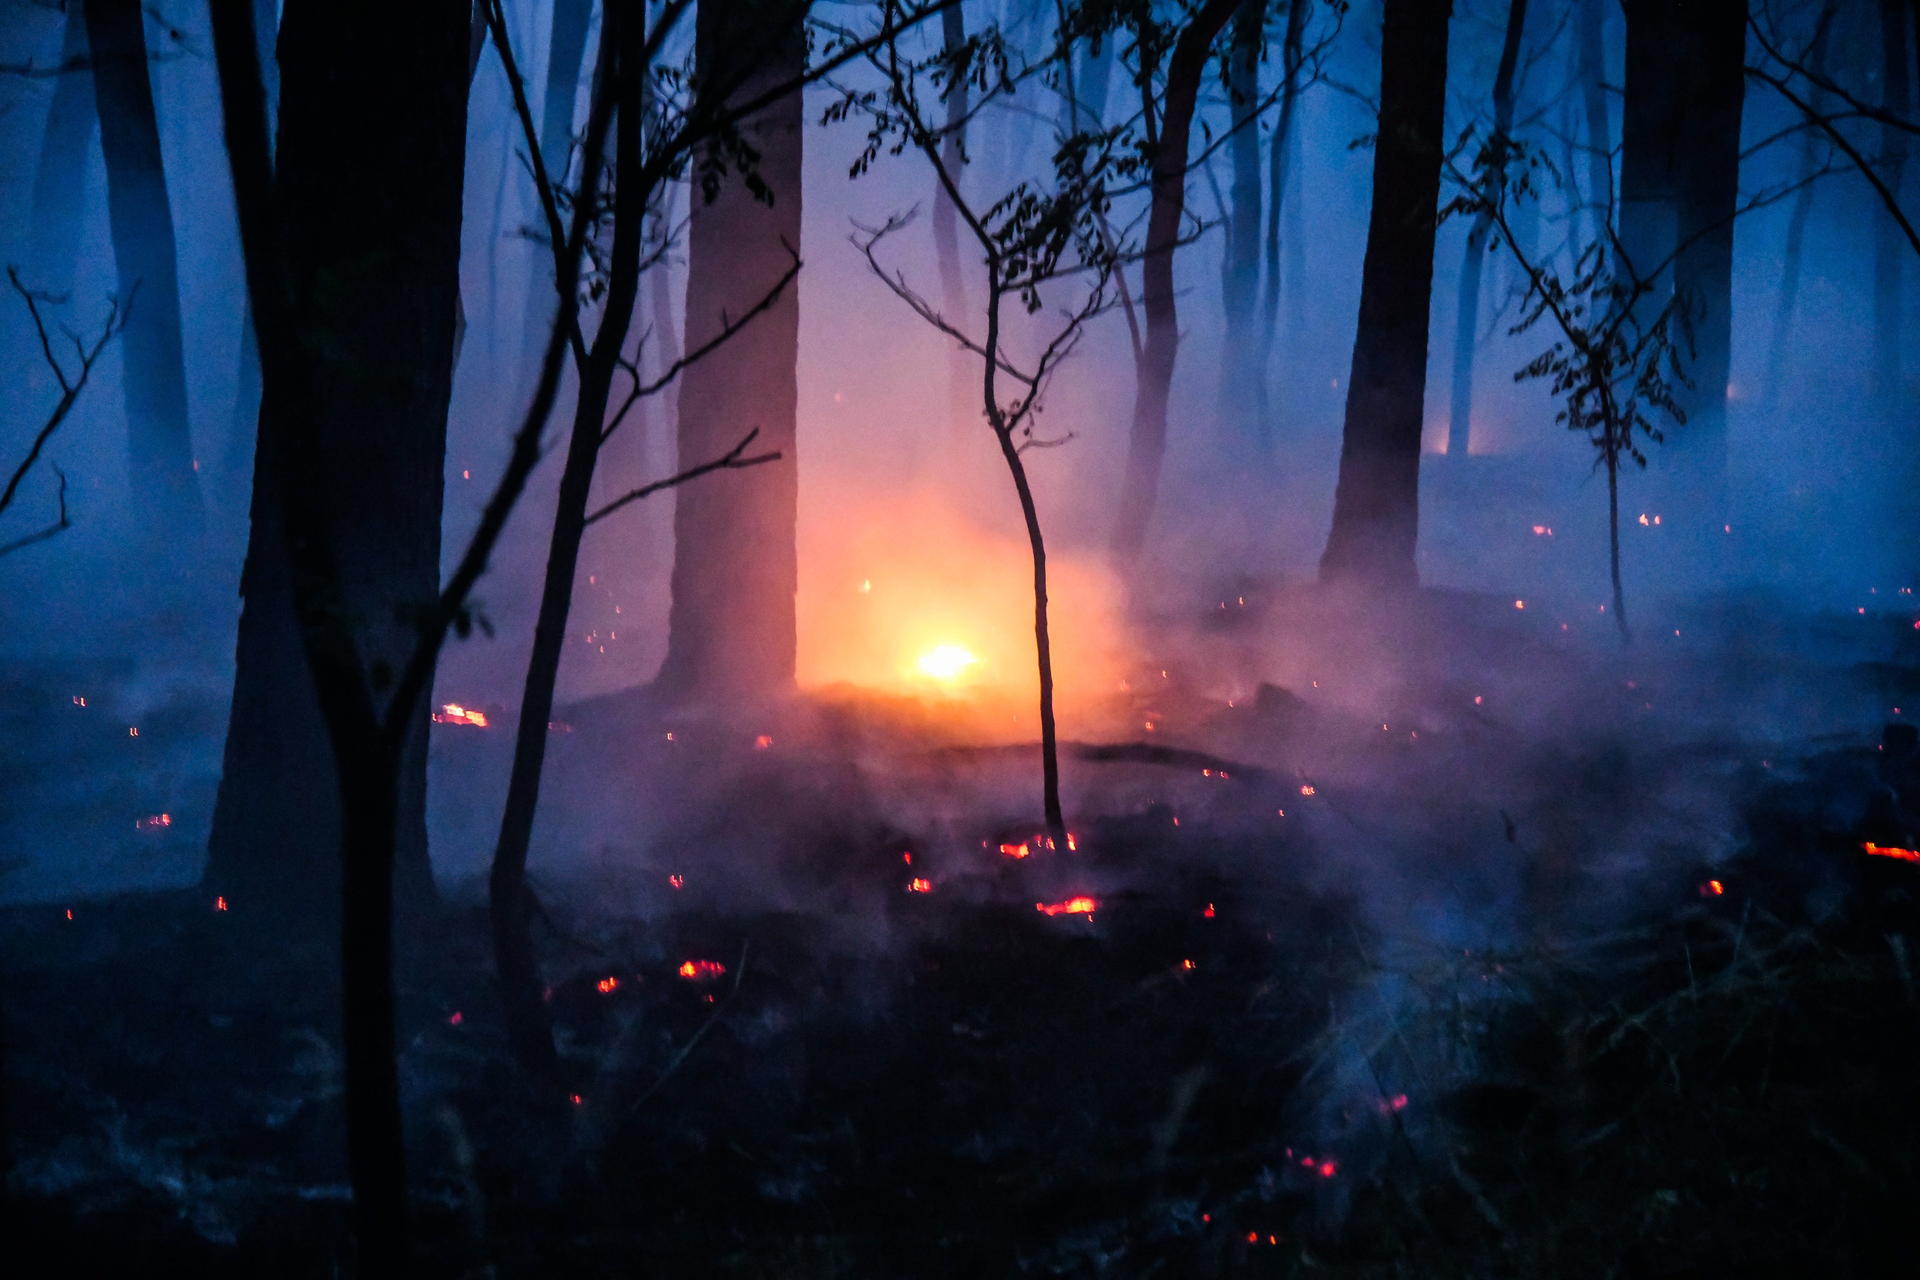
{"points": [[69, 913], [456, 1019], [153, 822], [607, 985], [676, 882], [1519, 604], [454, 713], [1891, 851], [220, 904], [702, 970], [1188, 964], [919, 884], [762, 742], [79, 701], [1712, 889], [1016, 850], [575, 1099], [1209, 913], [1306, 789], [945, 662], [1070, 907], [1543, 531]]}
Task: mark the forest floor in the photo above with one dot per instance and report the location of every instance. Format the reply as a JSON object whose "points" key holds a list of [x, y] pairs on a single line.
{"points": [[1536, 964]]}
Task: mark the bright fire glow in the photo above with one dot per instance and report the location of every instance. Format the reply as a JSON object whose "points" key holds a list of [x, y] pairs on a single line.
{"points": [[153, 822], [607, 985], [946, 662], [919, 884], [1071, 907], [454, 713], [1891, 851], [702, 970]]}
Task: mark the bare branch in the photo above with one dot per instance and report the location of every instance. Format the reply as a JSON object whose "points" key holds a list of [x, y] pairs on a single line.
{"points": [[728, 328], [731, 460]]}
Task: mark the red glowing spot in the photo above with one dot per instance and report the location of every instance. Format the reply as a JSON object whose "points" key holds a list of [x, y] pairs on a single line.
{"points": [[907, 858], [133, 731], [1398, 1102], [1328, 1168], [1307, 790], [701, 970], [575, 1099], [1891, 851], [919, 884], [708, 998], [79, 701], [1209, 912], [1188, 964], [1015, 850], [220, 904], [1073, 844], [456, 1018], [1519, 604], [1712, 889], [762, 742], [466, 474], [69, 913], [1479, 699], [454, 713], [559, 726], [1176, 820], [1253, 1237], [1542, 531], [607, 985], [1206, 1217], [1082, 906], [677, 882], [153, 822]]}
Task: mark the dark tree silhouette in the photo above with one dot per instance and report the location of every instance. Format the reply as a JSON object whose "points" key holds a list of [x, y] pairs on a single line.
{"points": [[159, 444], [731, 629], [1243, 386], [1889, 254], [372, 262], [1376, 506], [1169, 143], [1292, 57], [1467, 314], [59, 179]]}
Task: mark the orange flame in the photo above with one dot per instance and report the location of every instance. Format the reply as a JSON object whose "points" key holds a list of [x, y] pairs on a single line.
{"points": [[153, 822], [454, 713], [1891, 851], [220, 904], [701, 970], [919, 884], [1081, 906], [607, 985]]}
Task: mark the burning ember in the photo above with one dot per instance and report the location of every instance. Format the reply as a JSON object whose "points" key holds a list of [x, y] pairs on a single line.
{"points": [[1071, 907], [1891, 851], [763, 742], [454, 713], [220, 903], [153, 822], [676, 882], [946, 662], [607, 985], [1712, 889], [919, 884], [702, 970]]}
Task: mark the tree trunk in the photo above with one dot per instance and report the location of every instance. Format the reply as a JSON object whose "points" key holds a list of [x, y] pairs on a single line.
{"points": [[1466, 327], [566, 50], [1649, 132], [160, 446], [731, 629], [1592, 74], [1709, 190], [1290, 54], [1376, 505], [359, 416], [1153, 381], [1890, 250], [946, 232], [1793, 250], [1243, 383], [623, 36], [59, 180]]}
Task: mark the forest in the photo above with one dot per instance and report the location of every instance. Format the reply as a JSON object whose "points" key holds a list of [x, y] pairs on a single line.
{"points": [[957, 638]]}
